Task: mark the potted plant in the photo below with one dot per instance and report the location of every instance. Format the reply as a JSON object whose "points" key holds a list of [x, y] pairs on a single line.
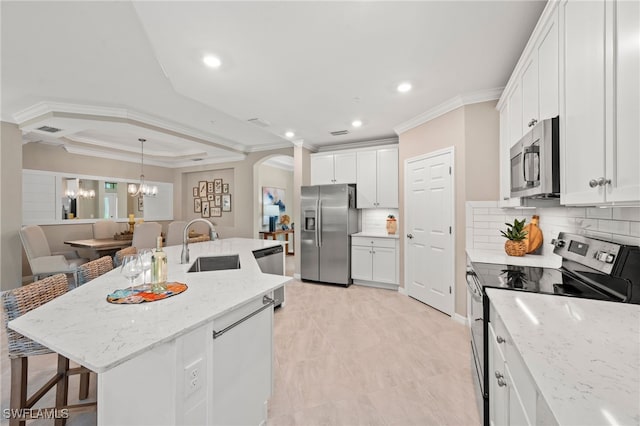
{"points": [[392, 224], [515, 235]]}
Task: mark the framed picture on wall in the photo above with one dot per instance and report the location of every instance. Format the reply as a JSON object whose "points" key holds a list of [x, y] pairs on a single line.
{"points": [[197, 205], [195, 191], [205, 209], [215, 212], [210, 197], [140, 203], [225, 188], [226, 202], [202, 188], [217, 186], [218, 200], [210, 187]]}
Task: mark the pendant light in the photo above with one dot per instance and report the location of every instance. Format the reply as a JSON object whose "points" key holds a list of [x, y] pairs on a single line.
{"points": [[142, 189]]}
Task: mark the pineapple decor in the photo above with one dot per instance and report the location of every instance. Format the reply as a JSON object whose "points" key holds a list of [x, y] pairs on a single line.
{"points": [[515, 235]]}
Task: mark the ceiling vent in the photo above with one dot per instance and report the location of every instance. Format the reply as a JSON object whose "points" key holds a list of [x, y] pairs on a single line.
{"points": [[259, 122], [48, 129], [339, 133]]}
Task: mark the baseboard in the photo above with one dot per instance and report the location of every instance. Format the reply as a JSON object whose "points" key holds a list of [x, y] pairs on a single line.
{"points": [[403, 291], [375, 284], [459, 319], [296, 276]]}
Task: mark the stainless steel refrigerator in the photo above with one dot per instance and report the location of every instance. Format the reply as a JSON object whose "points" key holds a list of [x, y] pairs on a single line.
{"points": [[329, 217]]}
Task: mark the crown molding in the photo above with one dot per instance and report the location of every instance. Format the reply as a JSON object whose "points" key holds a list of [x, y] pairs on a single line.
{"points": [[448, 106], [358, 144], [82, 111], [300, 143], [269, 147]]}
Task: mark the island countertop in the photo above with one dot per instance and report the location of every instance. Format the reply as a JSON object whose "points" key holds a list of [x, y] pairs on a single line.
{"points": [[85, 328], [584, 355]]}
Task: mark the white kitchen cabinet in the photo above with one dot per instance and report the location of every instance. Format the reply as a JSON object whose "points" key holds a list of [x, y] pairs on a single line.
{"points": [[515, 114], [377, 178], [600, 102], [530, 114], [548, 69], [505, 161], [333, 168], [375, 261]]}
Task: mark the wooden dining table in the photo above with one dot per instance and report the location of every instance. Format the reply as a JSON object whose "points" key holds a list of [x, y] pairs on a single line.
{"points": [[102, 247]]}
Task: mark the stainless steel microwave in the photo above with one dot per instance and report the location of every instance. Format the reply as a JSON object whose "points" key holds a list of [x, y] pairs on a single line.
{"points": [[535, 162]]}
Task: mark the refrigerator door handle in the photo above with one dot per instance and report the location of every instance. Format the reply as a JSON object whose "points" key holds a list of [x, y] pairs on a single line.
{"points": [[319, 224], [317, 221]]}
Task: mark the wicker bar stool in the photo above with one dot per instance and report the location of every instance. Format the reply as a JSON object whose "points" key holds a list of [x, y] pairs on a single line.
{"points": [[120, 254], [18, 302], [94, 269]]}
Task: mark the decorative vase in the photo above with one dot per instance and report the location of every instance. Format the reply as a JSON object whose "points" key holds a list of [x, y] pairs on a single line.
{"points": [[392, 226], [515, 248]]}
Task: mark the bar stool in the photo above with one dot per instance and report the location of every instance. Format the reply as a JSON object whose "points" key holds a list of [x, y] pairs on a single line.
{"points": [[94, 269], [18, 302], [120, 254]]}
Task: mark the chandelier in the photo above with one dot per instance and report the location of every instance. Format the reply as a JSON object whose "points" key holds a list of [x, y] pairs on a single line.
{"points": [[142, 188], [82, 193]]}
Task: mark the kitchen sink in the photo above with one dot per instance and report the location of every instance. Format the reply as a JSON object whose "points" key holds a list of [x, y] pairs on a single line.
{"points": [[215, 263]]}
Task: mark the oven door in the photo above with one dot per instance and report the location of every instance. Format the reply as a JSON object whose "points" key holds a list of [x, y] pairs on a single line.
{"points": [[476, 327]]}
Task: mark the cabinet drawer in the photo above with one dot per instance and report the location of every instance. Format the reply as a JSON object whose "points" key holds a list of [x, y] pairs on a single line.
{"points": [[373, 241]]}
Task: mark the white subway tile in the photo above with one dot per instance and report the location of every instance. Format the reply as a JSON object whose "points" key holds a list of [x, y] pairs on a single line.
{"points": [[627, 213], [557, 220], [481, 239], [598, 213], [480, 231], [498, 211], [487, 218], [487, 204], [619, 227], [634, 229], [587, 224], [601, 235], [624, 239], [576, 212], [499, 239], [480, 210], [480, 224], [553, 211], [468, 212], [489, 246]]}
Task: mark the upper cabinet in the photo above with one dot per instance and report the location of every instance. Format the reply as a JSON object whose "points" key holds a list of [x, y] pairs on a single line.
{"points": [[332, 168], [377, 178], [600, 104]]}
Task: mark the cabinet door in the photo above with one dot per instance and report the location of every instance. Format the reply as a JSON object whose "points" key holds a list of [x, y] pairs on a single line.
{"points": [[582, 129], [344, 168], [515, 114], [548, 71], [516, 412], [366, 189], [624, 154], [361, 263], [505, 161], [322, 169], [498, 395], [384, 265], [530, 114], [387, 178]]}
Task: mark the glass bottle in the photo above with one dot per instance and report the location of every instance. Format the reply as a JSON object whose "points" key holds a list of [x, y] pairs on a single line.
{"points": [[158, 268]]}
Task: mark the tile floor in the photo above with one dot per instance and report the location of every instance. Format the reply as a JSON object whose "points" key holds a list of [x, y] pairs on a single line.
{"points": [[347, 356]]}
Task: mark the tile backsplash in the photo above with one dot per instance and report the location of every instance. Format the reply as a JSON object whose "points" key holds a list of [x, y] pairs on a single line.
{"points": [[485, 220], [375, 220]]}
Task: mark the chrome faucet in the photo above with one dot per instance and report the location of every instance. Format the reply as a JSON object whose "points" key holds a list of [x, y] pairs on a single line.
{"points": [[184, 257]]}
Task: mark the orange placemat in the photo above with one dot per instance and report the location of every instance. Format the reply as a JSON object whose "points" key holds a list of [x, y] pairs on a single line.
{"points": [[135, 296]]}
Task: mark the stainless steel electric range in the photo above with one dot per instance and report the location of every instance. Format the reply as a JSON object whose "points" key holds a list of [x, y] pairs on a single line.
{"points": [[591, 268]]}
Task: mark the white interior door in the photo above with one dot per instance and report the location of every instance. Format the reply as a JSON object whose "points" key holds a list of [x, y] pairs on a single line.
{"points": [[429, 254]]}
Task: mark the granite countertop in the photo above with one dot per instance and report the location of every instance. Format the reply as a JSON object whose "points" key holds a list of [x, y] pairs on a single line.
{"points": [[375, 235], [551, 260], [85, 328], [583, 354]]}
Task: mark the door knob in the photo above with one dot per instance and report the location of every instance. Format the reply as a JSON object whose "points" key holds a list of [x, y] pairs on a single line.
{"points": [[410, 236]]}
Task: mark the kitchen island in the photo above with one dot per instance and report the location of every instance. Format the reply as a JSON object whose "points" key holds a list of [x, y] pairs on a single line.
{"points": [[581, 357], [159, 363]]}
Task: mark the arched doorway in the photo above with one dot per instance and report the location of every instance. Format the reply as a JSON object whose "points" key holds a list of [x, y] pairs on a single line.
{"points": [[273, 174]]}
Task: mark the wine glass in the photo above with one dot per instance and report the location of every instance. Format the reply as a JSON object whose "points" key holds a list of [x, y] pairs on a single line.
{"points": [[131, 269], [145, 259]]}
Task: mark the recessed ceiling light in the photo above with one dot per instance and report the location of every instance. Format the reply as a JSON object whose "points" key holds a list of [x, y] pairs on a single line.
{"points": [[356, 123], [212, 61], [404, 87], [289, 134]]}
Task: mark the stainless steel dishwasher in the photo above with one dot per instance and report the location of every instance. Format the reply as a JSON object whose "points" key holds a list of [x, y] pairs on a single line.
{"points": [[271, 261]]}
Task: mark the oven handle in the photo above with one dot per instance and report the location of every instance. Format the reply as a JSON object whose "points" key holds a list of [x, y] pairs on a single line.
{"points": [[473, 285], [529, 150]]}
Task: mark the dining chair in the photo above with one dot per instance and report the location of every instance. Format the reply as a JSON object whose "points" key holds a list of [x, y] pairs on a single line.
{"points": [[18, 302], [104, 228], [145, 235], [42, 260], [94, 269], [175, 232], [120, 254]]}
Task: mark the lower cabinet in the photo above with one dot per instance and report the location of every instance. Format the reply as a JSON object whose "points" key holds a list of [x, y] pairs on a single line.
{"points": [[513, 396], [375, 260]]}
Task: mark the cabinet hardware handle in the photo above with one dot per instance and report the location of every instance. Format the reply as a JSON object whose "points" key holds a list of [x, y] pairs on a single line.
{"points": [[533, 122], [410, 236], [500, 339], [499, 375], [601, 181], [502, 383], [593, 183]]}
